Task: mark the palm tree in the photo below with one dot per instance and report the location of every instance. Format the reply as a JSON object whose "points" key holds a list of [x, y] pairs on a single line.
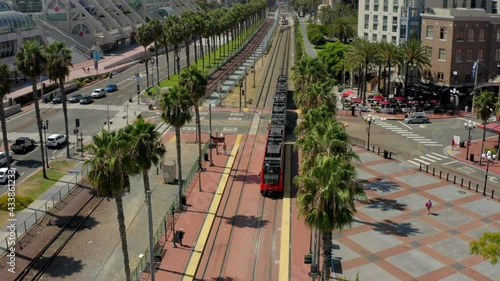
{"points": [[315, 95], [109, 176], [308, 71], [414, 54], [342, 28], [145, 38], [484, 105], [31, 61], [361, 53], [156, 29], [176, 112], [187, 22], [200, 20], [4, 90], [195, 83], [390, 55], [58, 68], [146, 150], [163, 39], [175, 37]]}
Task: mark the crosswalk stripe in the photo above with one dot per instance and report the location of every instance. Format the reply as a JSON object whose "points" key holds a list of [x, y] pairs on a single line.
{"points": [[439, 155], [428, 159], [414, 163], [433, 144], [398, 130], [426, 141], [420, 160], [433, 157], [402, 133], [410, 135], [415, 137], [419, 140]]}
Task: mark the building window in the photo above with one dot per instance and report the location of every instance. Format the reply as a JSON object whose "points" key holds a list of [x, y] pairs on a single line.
{"points": [[367, 21], [386, 5], [460, 34], [374, 37], [365, 36], [367, 5], [458, 55], [445, 4], [469, 54], [498, 35], [429, 34], [395, 7], [375, 26], [440, 76], [384, 38], [497, 54], [384, 23], [481, 35], [473, 4], [480, 54], [427, 73], [375, 6], [442, 54], [483, 4], [428, 52], [467, 77], [471, 34], [394, 40], [443, 33]]}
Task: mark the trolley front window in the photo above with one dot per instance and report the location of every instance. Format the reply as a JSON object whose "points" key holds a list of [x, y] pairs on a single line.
{"points": [[271, 179]]}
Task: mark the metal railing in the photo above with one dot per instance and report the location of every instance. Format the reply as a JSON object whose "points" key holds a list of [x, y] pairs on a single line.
{"points": [[166, 223], [23, 227]]}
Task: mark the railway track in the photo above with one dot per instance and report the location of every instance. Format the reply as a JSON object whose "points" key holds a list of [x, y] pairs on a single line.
{"points": [[38, 266], [226, 242], [221, 74]]}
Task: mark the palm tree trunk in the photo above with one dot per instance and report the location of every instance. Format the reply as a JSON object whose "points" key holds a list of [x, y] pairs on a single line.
{"points": [[176, 57], [65, 114], [406, 78], [220, 47], [379, 76], [4, 133], [179, 165], [365, 83], [214, 48], [145, 178], [168, 62], [209, 51], [389, 79], [197, 112], [157, 66], [195, 50], [186, 43], [39, 124], [202, 54], [123, 235], [327, 255], [146, 60]]}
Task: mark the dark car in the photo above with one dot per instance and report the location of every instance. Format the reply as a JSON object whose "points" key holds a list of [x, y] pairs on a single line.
{"points": [[86, 100], [57, 99], [75, 98], [111, 88]]}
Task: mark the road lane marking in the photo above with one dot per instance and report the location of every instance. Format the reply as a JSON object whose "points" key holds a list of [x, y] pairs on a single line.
{"points": [[414, 163], [199, 248], [426, 142], [429, 159], [415, 137], [404, 125], [439, 155], [34, 165], [419, 160], [433, 144], [448, 163], [433, 157]]}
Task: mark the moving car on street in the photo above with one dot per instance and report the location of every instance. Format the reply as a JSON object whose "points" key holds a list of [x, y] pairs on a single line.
{"points": [[75, 98], [4, 174], [56, 140], [111, 88], [22, 145], [417, 119], [3, 158], [57, 99], [86, 100], [98, 93]]}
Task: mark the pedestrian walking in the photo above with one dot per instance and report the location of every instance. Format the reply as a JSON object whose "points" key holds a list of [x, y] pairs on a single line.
{"points": [[88, 69], [224, 146], [84, 70], [428, 205], [180, 235]]}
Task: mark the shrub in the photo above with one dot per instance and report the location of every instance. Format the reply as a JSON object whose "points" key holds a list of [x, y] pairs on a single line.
{"points": [[86, 80], [315, 34], [79, 83], [22, 202]]}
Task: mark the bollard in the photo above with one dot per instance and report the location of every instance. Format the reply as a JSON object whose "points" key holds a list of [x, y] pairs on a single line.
{"points": [[379, 151], [477, 186], [390, 155], [462, 182], [484, 191], [454, 179], [440, 174], [427, 169], [157, 171], [373, 148], [420, 167], [433, 171], [447, 176], [492, 192]]}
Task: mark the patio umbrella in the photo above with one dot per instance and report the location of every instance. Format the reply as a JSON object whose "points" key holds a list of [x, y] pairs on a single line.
{"points": [[348, 93], [356, 100], [385, 102], [379, 98], [400, 98]]}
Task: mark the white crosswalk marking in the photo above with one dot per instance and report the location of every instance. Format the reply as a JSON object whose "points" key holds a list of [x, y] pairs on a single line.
{"points": [[427, 159], [408, 134]]}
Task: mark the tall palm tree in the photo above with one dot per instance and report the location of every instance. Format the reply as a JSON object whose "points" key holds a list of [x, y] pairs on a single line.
{"points": [[175, 36], [196, 84], [109, 176], [145, 38], [156, 29], [414, 54], [307, 71], [484, 105], [4, 90], [361, 53], [315, 95], [176, 112], [31, 61], [146, 150], [187, 22], [200, 20], [390, 55], [58, 68], [342, 28]]}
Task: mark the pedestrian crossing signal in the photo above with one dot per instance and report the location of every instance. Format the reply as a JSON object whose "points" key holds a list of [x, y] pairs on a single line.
{"points": [[308, 259]]}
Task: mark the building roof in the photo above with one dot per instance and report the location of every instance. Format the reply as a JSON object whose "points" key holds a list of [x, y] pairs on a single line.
{"points": [[4, 6], [10, 21]]}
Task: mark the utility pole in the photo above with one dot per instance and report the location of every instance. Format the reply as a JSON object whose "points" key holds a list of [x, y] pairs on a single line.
{"points": [[210, 133]]}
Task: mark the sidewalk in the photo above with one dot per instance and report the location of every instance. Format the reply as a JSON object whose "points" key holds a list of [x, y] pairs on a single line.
{"points": [[459, 154], [309, 47]]}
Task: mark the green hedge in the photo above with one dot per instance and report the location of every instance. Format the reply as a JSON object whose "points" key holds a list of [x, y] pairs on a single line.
{"points": [[299, 42], [22, 202], [315, 34]]}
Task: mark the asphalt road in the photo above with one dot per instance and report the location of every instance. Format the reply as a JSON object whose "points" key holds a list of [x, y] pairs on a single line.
{"points": [[427, 144]]}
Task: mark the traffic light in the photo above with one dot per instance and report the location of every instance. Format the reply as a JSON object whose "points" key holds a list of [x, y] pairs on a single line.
{"points": [[308, 259]]}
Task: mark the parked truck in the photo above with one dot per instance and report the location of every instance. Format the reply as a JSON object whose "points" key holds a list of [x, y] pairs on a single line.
{"points": [[22, 145]]}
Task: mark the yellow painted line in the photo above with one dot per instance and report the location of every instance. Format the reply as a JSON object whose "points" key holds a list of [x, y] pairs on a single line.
{"points": [[194, 260], [172, 140], [284, 271]]}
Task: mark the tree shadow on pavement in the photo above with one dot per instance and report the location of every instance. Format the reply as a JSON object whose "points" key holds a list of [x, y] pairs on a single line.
{"points": [[385, 204], [62, 266], [72, 222], [246, 221], [29, 163], [381, 186], [223, 279], [389, 227], [248, 178]]}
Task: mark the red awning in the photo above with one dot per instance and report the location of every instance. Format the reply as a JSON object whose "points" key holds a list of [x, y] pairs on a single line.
{"points": [[491, 127]]}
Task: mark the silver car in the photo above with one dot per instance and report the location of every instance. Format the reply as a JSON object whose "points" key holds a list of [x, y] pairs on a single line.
{"points": [[417, 119]]}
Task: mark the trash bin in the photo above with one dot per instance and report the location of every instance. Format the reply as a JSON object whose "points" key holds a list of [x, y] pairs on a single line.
{"points": [[184, 200], [353, 110], [386, 154], [471, 157], [205, 156]]}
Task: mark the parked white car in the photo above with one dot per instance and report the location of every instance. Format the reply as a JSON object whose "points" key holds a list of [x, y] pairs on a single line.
{"points": [[56, 140], [3, 158], [5, 173], [98, 93]]}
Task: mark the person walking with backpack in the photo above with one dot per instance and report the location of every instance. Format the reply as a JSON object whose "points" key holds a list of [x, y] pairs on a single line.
{"points": [[429, 206], [180, 235]]}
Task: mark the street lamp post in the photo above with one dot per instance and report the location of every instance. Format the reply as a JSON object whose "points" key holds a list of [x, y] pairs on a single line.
{"points": [[241, 86], [45, 127], [172, 209], [369, 120], [488, 157], [469, 126], [488, 110], [454, 92], [110, 75]]}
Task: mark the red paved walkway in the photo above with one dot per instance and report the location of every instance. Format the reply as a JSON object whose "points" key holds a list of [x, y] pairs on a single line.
{"points": [[459, 154]]}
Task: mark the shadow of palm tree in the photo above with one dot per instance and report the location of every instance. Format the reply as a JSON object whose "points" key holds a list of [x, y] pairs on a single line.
{"points": [[389, 227], [72, 222], [381, 186], [246, 221], [385, 204], [63, 266], [28, 163], [224, 279]]}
